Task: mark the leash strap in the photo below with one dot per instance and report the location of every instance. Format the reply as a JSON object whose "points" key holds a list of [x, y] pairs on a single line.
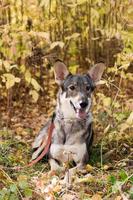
{"points": [[50, 131], [44, 152]]}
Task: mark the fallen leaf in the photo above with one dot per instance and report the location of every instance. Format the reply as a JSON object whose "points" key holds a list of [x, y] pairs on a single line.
{"points": [[96, 197], [50, 197], [106, 167], [89, 168], [87, 179], [70, 197], [118, 198]]}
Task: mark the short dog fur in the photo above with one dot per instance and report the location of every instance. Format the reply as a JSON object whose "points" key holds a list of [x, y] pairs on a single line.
{"points": [[73, 134]]}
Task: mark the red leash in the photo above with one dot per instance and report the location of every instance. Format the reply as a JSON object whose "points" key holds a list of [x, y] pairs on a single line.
{"points": [[50, 131]]}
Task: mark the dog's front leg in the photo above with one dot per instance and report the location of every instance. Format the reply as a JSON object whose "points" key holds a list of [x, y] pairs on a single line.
{"points": [[56, 149], [54, 165], [56, 157]]}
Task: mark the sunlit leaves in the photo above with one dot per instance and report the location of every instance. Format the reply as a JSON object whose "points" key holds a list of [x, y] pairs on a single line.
{"points": [[57, 43], [44, 3], [35, 84], [43, 35], [106, 101], [22, 69], [1, 65], [10, 80], [96, 197], [34, 95], [73, 68], [73, 36], [127, 124], [27, 76], [7, 66], [32, 81]]}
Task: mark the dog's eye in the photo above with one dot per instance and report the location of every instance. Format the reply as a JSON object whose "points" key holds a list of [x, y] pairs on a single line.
{"points": [[72, 87], [87, 88]]}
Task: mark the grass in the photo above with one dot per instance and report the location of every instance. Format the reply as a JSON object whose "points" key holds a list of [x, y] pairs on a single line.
{"points": [[108, 178]]}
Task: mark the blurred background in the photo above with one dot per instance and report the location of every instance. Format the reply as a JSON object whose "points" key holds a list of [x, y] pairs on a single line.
{"points": [[35, 33]]}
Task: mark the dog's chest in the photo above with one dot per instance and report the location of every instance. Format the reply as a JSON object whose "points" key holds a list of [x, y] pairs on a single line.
{"points": [[71, 132], [74, 132], [70, 136]]}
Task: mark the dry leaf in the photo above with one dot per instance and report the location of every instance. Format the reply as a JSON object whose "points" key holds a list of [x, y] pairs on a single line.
{"points": [[96, 197], [106, 167], [70, 197], [118, 198], [89, 168], [86, 179]]}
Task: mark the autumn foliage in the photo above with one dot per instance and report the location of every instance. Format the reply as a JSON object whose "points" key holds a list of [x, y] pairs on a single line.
{"points": [[33, 34]]}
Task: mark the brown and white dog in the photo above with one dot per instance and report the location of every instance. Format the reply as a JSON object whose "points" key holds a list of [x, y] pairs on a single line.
{"points": [[73, 134]]}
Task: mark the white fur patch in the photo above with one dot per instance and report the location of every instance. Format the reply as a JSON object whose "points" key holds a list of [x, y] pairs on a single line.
{"points": [[66, 107], [63, 153]]}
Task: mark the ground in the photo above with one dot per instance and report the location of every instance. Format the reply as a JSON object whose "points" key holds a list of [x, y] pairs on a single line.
{"points": [[108, 175]]}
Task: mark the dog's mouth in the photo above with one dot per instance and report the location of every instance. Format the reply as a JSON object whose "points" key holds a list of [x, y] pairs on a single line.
{"points": [[80, 113]]}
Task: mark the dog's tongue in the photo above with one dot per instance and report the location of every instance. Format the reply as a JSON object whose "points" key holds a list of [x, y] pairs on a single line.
{"points": [[81, 114]]}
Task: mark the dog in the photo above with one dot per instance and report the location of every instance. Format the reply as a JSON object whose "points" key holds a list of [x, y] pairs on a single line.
{"points": [[72, 136]]}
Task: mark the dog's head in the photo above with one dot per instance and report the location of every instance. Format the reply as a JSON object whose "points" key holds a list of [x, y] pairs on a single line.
{"points": [[74, 99]]}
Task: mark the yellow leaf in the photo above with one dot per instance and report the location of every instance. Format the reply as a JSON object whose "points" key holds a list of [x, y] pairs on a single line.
{"points": [[17, 80], [130, 119], [34, 95], [28, 76], [118, 198], [89, 168], [106, 129], [22, 177], [10, 80], [96, 197], [128, 123], [87, 179], [79, 2], [22, 68], [35, 84], [107, 101], [70, 197], [106, 167], [73, 36], [1, 68], [44, 35], [57, 43], [73, 68], [101, 82], [44, 3], [7, 65]]}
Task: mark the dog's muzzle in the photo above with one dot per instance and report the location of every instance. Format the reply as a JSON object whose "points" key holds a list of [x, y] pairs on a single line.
{"points": [[83, 104], [81, 110]]}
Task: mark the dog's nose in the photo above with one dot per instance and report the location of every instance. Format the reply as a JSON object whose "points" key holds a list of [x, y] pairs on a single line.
{"points": [[83, 104]]}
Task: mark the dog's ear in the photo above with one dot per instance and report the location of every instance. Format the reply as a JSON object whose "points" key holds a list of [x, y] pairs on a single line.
{"points": [[60, 72], [96, 72]]}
